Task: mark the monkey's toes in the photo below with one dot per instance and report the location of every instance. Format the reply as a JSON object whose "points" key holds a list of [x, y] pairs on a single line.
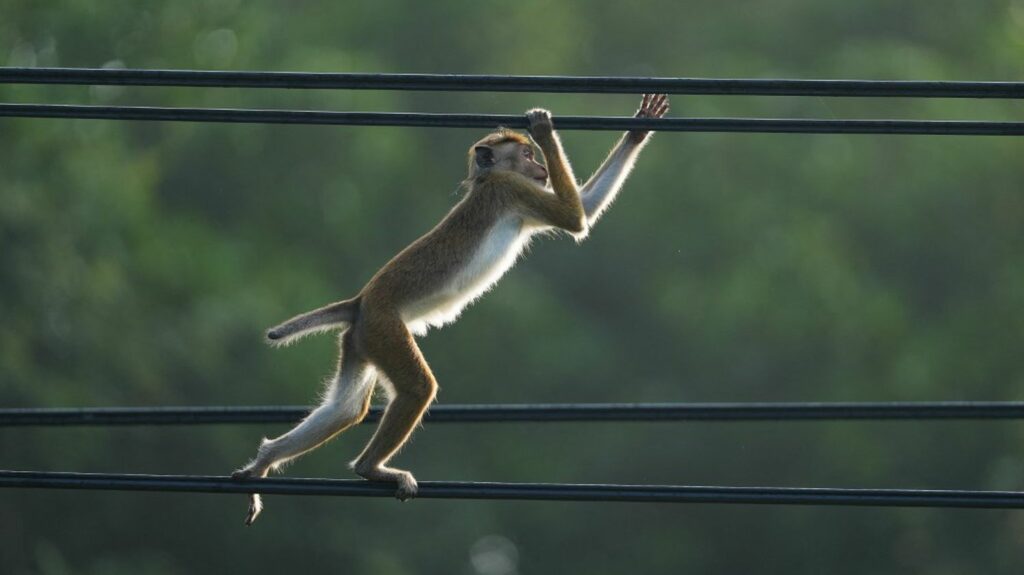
{"points": [[255, 507], [407, 487], [243, 473]]}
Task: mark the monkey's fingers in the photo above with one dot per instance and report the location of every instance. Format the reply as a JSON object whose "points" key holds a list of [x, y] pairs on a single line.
{"points": [[651, 105], [538, 116], [656, 108], [663, 107], [642, 110], [658, 103]]}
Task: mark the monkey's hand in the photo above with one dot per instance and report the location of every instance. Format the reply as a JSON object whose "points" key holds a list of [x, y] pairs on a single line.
{"points": [[540, 123], [652, 106]]}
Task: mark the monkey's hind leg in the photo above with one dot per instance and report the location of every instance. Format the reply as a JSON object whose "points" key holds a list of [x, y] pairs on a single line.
{"points": [[393, 350], [345, 403]]}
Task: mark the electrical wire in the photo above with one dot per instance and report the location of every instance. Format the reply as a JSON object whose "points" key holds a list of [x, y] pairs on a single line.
{"points": [[543, 412], [307, 117], [500, 83], [520, 491]]}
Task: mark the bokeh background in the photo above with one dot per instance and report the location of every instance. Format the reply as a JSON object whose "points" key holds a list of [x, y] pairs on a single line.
{"points": [[140, 262]]}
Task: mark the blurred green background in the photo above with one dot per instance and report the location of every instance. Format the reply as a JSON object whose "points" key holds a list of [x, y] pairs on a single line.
{"points": [[140, 262]]}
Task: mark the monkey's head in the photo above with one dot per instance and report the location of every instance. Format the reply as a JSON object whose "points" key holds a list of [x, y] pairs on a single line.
{"points": [[506, 150]]}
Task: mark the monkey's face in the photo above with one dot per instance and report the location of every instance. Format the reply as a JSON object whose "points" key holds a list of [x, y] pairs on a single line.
{"points": [[522, 159]]}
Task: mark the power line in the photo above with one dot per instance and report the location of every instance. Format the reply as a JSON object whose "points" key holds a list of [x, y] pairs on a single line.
{"points": [[520, 491], [498, 83], [549, 412], [306, 117]]}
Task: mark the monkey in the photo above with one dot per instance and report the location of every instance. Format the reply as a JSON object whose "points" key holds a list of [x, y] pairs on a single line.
{"points": [[510, 198]]}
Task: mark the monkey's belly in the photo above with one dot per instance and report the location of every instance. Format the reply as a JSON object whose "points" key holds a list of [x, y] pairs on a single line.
{"points": [[497, 253]]}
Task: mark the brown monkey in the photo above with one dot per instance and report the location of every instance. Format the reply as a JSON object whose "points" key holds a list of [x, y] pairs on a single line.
{"points": [[430, 282]]}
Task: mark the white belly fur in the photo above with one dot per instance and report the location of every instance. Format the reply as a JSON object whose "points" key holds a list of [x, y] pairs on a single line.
{"points": [[496, 254]]}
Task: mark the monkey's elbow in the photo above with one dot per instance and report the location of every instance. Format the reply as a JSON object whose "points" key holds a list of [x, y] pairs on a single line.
{"points": [[579, 229]]}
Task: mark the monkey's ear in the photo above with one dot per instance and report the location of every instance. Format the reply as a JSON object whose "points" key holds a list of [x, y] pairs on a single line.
{"points": [[484, 156]]}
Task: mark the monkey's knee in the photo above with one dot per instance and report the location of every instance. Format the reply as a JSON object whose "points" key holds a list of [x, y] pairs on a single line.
{"points": [[422, 391], [364, 410], [350, 411]]}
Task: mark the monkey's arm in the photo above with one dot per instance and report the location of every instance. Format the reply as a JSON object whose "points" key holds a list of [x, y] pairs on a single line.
{"points": [[600, 190], [602, 187], [563, 182]]}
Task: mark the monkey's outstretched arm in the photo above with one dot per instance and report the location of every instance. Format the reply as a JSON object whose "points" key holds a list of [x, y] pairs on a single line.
{"points": [[602, 187], [600, 190]]}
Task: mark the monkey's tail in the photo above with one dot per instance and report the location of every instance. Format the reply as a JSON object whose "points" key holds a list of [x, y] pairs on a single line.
{"points": [[337, 315]]}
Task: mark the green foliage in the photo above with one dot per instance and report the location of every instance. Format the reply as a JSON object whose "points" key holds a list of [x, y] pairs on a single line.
{"points": [[139, 264]]}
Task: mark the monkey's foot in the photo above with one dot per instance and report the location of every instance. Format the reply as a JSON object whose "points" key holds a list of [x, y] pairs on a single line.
{"points": [[255, 502], [252, 470], [407, 486], [255, 506]]}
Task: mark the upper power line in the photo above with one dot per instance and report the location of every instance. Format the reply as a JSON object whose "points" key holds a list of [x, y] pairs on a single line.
{"points": [[490, 121], [502, 83]]}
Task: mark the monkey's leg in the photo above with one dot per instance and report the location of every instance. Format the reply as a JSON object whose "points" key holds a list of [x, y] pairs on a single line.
{"points": [[393, 350], [345, 403]]}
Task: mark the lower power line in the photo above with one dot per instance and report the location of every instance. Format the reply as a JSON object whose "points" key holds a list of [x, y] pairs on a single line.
{"points": [[520, 491]]}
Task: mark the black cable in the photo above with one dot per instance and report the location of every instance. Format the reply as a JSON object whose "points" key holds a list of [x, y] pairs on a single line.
{"points": [[227, 115], [520, 491], [494, 83], [551, 412]]}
